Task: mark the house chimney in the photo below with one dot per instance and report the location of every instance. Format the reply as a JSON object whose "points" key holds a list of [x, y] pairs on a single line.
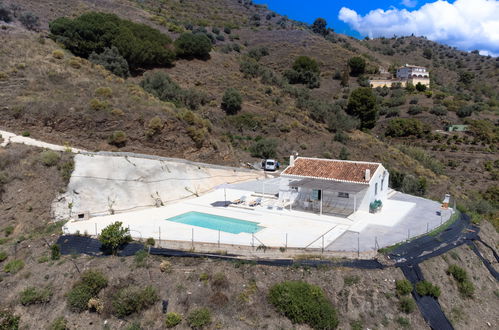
{"points": [[291, 160], [368, 174]]}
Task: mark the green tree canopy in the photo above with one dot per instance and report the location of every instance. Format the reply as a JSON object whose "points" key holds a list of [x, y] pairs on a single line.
{"points": [[141, 45], [114, 236], [319, 26], [190, 46], [112, 60], [305, 71], [231, 101], [362, 104], [357, 66]]}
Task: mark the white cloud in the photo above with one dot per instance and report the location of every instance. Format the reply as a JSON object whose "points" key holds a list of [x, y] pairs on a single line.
{"points": [[409, 3], [466, 24]]}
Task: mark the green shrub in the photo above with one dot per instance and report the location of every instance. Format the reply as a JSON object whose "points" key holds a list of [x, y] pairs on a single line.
{"points": [[356, 325], [231, 101], [401, 127], [351, 280], [3, 256], [141, 45], [362, 104], [407, 305], [258, 53], [357, 66], [250, 68], [402, 321], [55, 252], [172, 319], [8, 320], [305, 71], [150, 241], [420, 87], [96, 104], [163, 87], [439, 110], [32, 295], [193, 45], [89, 285], [114, 236], [5, 14], [58, 54], [403, 287], [49, 158], [133, 299], [59, 323], [104, 92], [13, 266], [118, 138], [111, 60], [264, 148], [199, 318], [425, 288], [304, 303], [9, 229], [458, 273], [156, 124], [30, 20], [466, 288], [140, 258]]}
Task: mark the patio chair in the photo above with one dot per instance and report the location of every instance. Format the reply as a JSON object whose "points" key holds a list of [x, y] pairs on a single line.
{"points": [[255, 202], [240, 200]]}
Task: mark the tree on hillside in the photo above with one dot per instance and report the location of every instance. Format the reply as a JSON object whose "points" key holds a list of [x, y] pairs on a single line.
{"points": [[190, 46], [427, 53], [420, 87], [305, 71], [231, 101], [5, 14], [357, 66], [362, 104], [114, 236], [112, 60], [30, 21], [141, 45], [319, 26]]}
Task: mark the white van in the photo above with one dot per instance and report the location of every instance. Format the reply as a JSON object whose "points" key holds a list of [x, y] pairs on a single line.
{"points": [[270, 165]]}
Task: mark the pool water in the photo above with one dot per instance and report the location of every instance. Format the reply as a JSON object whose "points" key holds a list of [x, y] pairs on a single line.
{"points": [[216, 222]]}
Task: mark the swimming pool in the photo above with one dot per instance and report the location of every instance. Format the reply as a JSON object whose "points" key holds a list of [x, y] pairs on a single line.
{"points": [[216, 222]]}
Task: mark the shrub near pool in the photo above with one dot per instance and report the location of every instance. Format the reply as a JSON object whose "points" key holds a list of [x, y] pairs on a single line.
{"points": [[133, 299], [90, 284], [304, 303]]}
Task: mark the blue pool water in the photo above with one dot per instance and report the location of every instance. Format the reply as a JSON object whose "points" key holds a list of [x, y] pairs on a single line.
{"points": [[216, 222]]}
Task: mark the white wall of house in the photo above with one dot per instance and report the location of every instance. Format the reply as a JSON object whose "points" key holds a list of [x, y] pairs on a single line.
{"points": [[377, 190]]}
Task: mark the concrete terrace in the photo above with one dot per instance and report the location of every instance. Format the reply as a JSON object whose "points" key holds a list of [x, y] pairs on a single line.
{"points": [[401, 215]]}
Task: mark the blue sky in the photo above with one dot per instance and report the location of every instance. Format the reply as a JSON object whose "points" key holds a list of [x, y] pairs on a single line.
{"points": [[465, 24], [308, 11]]}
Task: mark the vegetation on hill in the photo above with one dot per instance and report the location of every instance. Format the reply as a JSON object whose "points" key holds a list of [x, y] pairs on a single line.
{"points": [[302, 106], [141, 45]]}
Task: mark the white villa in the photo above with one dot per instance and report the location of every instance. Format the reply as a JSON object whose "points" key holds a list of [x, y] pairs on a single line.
{"points": [[405, 74], [335, 187]]}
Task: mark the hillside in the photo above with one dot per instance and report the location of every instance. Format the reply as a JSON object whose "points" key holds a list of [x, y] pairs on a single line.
{"points": [[50, 94], [61, 100]]}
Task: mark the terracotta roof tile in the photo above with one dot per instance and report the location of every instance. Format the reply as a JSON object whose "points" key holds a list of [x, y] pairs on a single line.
{"points": [[331, 169]]}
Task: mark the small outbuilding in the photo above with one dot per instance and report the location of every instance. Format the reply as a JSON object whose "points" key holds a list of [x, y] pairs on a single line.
{"points": [[335, 187]]}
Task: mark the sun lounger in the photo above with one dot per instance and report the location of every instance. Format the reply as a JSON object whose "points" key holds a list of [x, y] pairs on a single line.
{"points": [[240, 200], [255, 202]]}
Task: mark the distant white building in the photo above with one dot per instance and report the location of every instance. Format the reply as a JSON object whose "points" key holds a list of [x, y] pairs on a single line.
{"points": [[337, 187], [405, 74], [412, 71]]}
